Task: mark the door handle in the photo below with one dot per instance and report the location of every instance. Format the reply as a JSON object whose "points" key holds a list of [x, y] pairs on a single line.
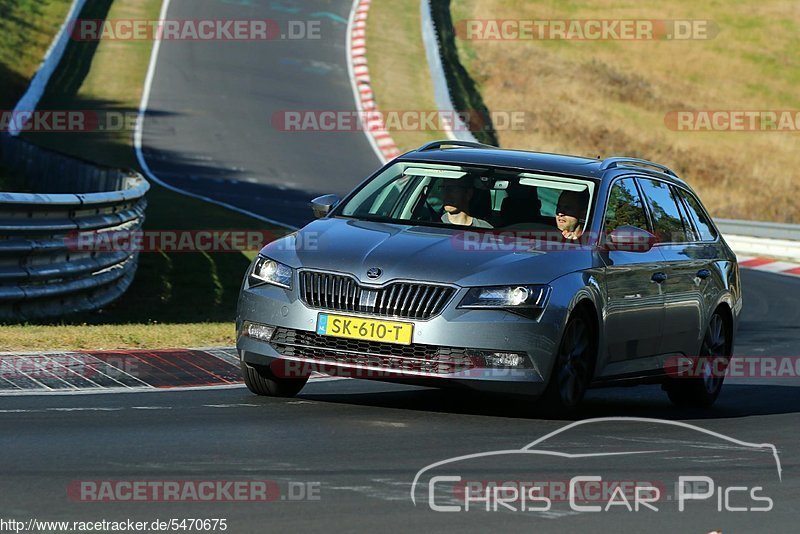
{"points": [[659, 278], [703, 274]]}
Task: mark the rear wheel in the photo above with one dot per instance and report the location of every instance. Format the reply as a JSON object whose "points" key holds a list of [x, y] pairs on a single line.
{"points": [[574, 367], [261, 381], [701, 391]]}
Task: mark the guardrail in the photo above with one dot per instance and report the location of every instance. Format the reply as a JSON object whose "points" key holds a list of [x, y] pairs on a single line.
{"points": [[42, 273], [769, 230], [770, 239], [454, 88]]}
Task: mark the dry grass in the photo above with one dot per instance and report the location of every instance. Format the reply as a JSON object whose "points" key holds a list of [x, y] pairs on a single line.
{"points": [[610, 98], [111, 337], [397, 66]]}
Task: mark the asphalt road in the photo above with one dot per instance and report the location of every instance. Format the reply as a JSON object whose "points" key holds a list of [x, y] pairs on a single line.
{"points": [[359, 445], [214, 121]]}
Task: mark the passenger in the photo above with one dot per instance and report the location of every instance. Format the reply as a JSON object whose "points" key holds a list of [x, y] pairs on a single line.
{"points": [[457, 195], [571, 213]]}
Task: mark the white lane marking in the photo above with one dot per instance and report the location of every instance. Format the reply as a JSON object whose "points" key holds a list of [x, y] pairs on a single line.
{"points": [[43, 386], [83, 409], [96, 370], [69, 371], [117, 369], [236, 405], [326, 378], [48, 374], [388, 424], [138, 135], [149, 389]]}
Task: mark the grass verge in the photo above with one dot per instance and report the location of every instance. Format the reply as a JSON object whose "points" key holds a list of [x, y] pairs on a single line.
{"points": [[398, 69], [177, 299], [611, 97], [27, 28]]}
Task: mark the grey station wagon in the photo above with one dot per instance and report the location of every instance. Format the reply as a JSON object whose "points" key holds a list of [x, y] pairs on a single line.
{"points": [[505, 271]]}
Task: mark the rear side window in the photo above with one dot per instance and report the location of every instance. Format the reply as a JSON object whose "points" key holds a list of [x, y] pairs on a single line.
{"points": [[668, 223], [699, 217], [625, 206]]}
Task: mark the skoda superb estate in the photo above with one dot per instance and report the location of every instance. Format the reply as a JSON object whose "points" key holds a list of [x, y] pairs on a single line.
{"points": [[460, 264]]}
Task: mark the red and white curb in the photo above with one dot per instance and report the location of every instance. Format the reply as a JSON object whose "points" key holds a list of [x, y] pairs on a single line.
{"points": [[375, 130], [114, 371], [769, 265]]}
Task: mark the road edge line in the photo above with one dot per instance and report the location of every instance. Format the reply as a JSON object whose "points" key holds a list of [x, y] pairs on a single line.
{"points": [[138, 135]]}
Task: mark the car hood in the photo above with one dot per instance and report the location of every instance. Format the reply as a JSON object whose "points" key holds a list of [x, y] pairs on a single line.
{"points": [[446, 255]]}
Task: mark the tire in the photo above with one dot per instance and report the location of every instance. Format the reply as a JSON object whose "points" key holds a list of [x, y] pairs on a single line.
{"points": [[261, 381], [702, 391], [574, 366]]}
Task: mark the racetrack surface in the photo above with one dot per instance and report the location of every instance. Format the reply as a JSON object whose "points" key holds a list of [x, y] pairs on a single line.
{"points": [[363, 443], [215, 109]]}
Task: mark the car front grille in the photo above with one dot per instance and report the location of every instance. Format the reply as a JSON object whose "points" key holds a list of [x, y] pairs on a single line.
{"points": [[420, 358], [343, 293]]}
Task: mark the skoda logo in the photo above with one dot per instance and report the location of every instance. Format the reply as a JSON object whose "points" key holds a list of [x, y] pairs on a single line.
{"points": [[374, 273]]}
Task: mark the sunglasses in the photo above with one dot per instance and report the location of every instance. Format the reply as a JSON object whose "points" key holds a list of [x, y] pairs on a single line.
{"points": [[567, 209]]}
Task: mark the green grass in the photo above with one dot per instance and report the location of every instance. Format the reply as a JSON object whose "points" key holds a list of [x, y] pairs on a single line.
{"points": [[397, 66], [176, 299], [27, 28]]}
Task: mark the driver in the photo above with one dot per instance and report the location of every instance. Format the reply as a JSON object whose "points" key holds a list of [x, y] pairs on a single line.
{"points": [[571, 213], [457, 195]]}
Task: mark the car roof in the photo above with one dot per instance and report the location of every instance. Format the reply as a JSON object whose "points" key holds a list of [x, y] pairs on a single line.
{"points": [[468, 153]]}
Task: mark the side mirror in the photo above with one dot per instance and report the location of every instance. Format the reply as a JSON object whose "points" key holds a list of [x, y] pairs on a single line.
{"points": [[322, 206], [630, 239]]}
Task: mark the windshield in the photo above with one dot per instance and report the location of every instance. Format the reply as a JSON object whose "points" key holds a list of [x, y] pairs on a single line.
{"points": [[451, 195]]}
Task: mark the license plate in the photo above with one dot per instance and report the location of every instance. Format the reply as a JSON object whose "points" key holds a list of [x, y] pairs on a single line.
{"points": [[366, 329]]}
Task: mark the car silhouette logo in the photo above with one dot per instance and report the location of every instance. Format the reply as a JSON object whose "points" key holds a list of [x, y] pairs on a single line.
{"points": [[374, 273]]}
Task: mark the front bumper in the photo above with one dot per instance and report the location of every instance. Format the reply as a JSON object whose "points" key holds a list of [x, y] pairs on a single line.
{"points": [[464, 333]]}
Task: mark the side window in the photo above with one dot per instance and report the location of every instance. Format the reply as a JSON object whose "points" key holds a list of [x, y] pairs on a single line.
{"points": [[701, 220], [667, 220], [625, 206]]}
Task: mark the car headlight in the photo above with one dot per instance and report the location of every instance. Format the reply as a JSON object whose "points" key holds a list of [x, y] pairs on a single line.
{"points": [[512, 298], [267, 271]]}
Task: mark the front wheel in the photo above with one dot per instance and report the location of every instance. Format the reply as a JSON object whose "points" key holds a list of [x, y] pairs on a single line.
{"points": [[574, 366], [261, 381], [702, 391]]}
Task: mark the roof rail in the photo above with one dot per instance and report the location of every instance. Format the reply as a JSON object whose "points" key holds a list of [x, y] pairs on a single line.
{"points": [[455, 143], [609, 163]]}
